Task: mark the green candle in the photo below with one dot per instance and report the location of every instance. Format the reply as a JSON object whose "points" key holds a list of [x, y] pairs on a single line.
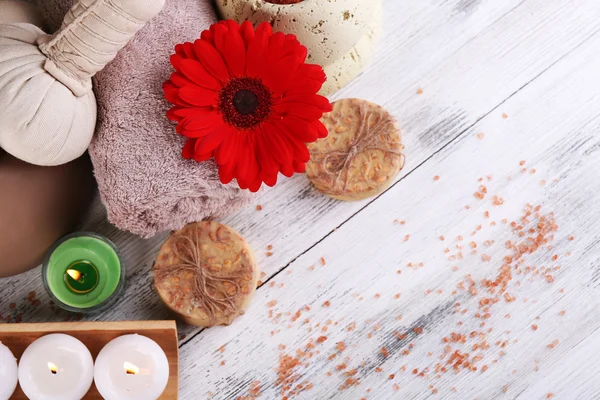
{"points": [[83, 272]]}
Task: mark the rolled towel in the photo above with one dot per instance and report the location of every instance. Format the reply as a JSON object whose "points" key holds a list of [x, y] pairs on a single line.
{"points": [[144, 182], [48, 108]]}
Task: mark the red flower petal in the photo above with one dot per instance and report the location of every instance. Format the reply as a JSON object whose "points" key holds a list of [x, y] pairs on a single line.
{"points": [[235, 55], [303, 130], [219, 32], [209, 143], [293, 47], [303, 86], [279, 74], [299, 149], [211, 59], [269, 180], [171, 92], [208, 36], [178, 113], [188, 149], [247, 32], [299, 167], [300, 51], [275, 52], [253, 167], [230, 44], [179, 80], [310, 99], [227, 172], [264, 28], [175, 59], [196, 72], [248, 167], [276, 145], [226, 152], [242, 170], [301, 110], [183, 112], [311, 71], [322, 131], [199, 96], [172, 116], [269, 167], [257, 53], [255, 186], [202, 157], [188, 50], [198, 126], [287, 170]]}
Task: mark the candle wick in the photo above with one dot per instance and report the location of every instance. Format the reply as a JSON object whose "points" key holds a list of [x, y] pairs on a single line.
{"points": [[130, 369], [53, 368]]}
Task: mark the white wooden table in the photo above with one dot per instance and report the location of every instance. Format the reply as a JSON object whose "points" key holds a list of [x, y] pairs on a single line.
{"points": [[478, 86]]}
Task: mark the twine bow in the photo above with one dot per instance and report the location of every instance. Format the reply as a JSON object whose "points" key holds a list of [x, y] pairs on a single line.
{"points": [[210, 287], [377, 137]]}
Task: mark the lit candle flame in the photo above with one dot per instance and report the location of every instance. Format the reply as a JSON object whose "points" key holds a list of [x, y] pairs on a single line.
{"points": [[53, 368], [73, 273], [130, 368]]}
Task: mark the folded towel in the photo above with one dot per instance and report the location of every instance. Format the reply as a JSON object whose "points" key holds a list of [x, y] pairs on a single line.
{"points": [[144, 182]]}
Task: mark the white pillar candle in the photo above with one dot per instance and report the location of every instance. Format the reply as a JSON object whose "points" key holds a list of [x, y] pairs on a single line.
{"points": [[56, 367], [8, 372], [131, 367]]}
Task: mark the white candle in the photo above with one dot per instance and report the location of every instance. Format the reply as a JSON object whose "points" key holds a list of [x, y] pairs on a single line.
{"points": [[8, 372], [131, 367], [56, 367]]}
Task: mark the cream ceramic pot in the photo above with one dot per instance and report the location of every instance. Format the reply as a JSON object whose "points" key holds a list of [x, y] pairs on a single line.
{"points": [[343, 70], [328, 28], [48, 108]]}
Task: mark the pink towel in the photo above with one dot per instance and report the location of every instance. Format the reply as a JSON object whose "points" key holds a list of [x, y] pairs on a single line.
{"points": [[144, 182]]}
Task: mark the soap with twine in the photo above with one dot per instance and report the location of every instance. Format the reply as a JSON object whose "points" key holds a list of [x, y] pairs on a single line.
{"points": [[206, 273], [361, 156]]}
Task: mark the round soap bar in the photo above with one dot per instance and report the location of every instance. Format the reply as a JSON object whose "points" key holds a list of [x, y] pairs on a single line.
{"points": [[329, 29], [206, 273], [345, 69], [362, 154]]}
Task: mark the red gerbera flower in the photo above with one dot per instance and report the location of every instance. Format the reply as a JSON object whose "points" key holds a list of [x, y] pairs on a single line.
{"points": [[248, 99]]}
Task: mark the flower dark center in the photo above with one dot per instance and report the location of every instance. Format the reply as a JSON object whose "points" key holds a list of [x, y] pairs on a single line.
{"points": [[245, 102]]}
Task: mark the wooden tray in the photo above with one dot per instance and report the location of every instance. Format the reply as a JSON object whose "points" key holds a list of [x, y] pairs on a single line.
{"points": [[95, 335]]}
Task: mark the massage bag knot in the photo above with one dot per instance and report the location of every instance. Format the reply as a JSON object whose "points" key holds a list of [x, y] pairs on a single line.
{"points": [[143, 180], [49, 111]]}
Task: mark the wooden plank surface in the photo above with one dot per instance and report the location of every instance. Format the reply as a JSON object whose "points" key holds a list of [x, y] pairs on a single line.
{"points": [[368, 307], [95, 335], [532, 60]]}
